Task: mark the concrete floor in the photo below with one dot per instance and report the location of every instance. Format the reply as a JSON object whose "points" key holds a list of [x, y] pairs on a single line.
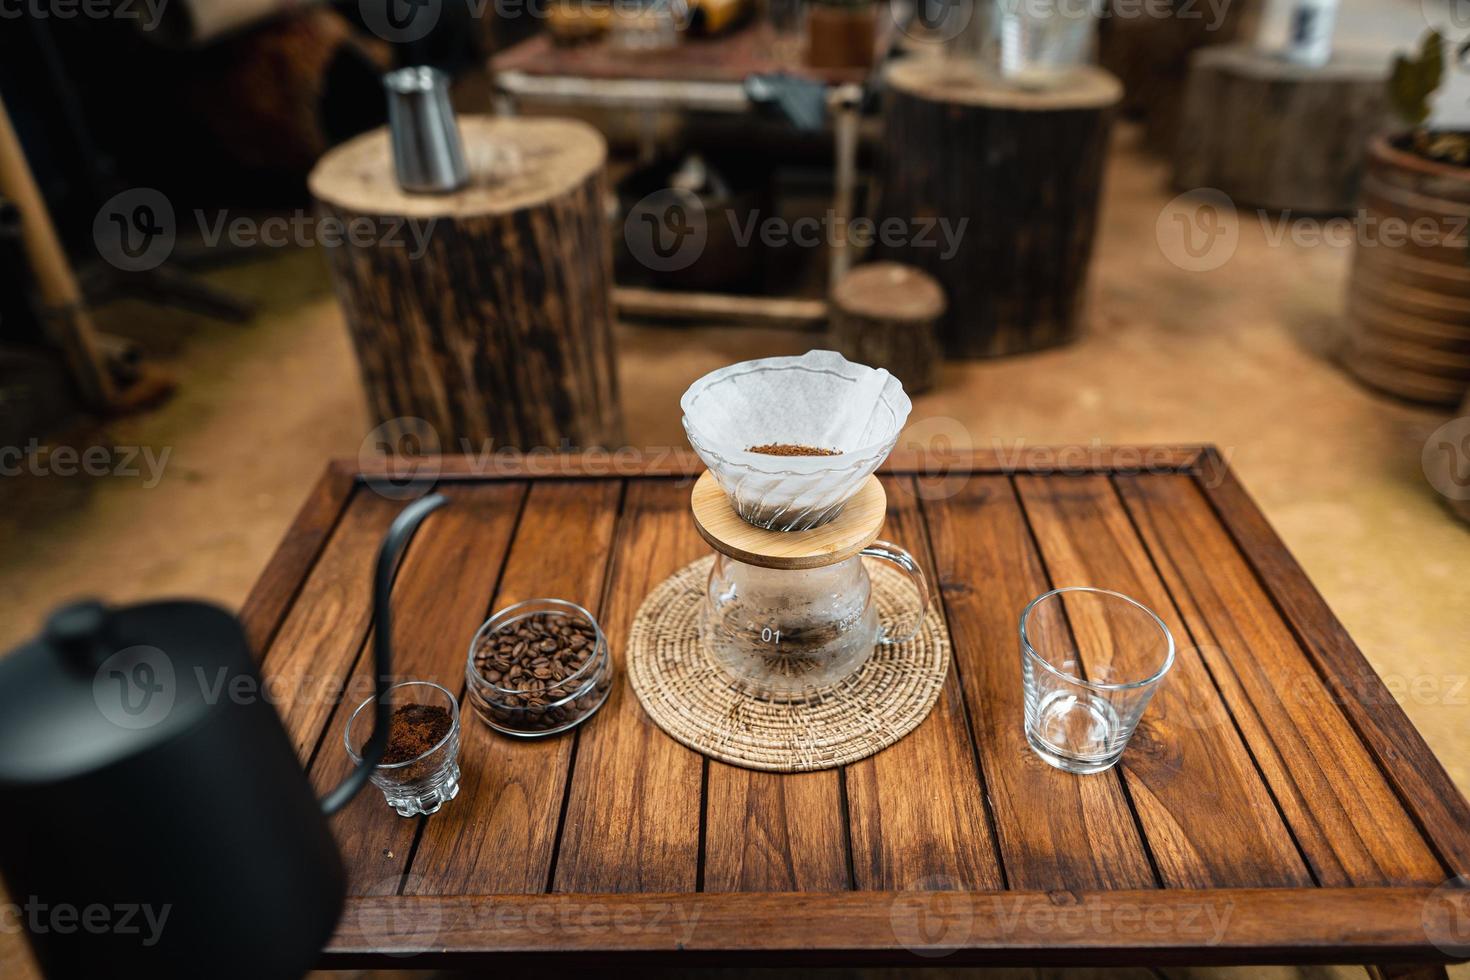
{"points": [[1237, 356]]}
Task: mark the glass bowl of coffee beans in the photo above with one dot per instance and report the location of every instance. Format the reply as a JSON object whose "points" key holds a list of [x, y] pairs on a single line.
{"points": [[538, 668]]}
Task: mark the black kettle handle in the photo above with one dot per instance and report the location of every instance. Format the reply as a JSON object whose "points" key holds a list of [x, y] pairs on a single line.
{"points": [[389, 553]]}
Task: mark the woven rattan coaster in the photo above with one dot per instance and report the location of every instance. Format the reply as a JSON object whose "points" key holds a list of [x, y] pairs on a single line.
{"points": [[687, 694]]}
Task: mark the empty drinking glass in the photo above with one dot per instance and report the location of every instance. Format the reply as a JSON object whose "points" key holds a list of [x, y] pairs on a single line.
{"points": [[1090, 660]]}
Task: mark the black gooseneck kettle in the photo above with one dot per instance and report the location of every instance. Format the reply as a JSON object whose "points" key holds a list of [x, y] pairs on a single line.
{"points": [[155, 815]]}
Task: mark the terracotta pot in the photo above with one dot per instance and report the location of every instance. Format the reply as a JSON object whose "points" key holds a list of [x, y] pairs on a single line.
{"points": [[841, 36], [1408, 305]]}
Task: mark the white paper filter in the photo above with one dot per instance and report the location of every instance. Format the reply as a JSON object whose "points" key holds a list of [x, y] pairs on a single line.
{"points": [[819, 399]]}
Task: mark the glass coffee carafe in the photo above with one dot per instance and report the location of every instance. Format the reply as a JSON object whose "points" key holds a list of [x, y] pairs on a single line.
{"points": [[789, 634]]}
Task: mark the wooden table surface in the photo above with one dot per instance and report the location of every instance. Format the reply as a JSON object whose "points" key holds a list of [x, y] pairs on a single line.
{"points": [[1275, 804], [753, 49]]}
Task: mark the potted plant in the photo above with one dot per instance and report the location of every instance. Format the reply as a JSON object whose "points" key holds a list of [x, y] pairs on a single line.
{"points": [[1409, 296], [841, 33]]}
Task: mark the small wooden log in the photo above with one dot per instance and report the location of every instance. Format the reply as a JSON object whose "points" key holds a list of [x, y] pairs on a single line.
{"points": [[887, 315], [501, 329], [1274, 134], [1408, 305], [1022, 170], [634, 302]]}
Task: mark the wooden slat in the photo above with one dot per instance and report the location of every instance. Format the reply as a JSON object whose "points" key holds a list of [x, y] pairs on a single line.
{"points": [[1207, 816], [774, 832], [1238, 925], [1422, 783], [316, 646], [439, 598], [500, 834], [632, 816], [271, 596], [1341, 808], [1055, 830], [656, 461], [916, 810], [775, 312]]}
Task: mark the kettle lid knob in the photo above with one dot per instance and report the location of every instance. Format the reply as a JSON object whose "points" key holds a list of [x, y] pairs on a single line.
{"points": [[80, 633]]}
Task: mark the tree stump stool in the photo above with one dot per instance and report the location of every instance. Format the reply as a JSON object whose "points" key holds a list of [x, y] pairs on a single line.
{"points": [[1273, 134], [1149, 46], [1016, 174], [886, 315], [486, 312]]}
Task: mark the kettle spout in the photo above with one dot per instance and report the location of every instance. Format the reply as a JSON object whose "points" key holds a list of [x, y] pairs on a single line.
{"points": [[395, 542]]}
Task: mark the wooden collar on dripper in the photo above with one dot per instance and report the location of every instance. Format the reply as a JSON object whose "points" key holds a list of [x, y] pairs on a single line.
{"points": [[843, 537]]}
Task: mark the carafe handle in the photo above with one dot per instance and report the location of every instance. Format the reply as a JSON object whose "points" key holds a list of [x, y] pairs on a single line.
{"points": [[895, 555]]}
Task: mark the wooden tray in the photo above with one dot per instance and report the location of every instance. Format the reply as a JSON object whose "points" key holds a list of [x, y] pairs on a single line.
{"points": [[1275, 804]]}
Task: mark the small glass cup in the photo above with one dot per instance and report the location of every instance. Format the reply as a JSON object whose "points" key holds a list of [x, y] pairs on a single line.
{"points": [[1041, 41], [1090, 661], [427, 781], [566, 704]]}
